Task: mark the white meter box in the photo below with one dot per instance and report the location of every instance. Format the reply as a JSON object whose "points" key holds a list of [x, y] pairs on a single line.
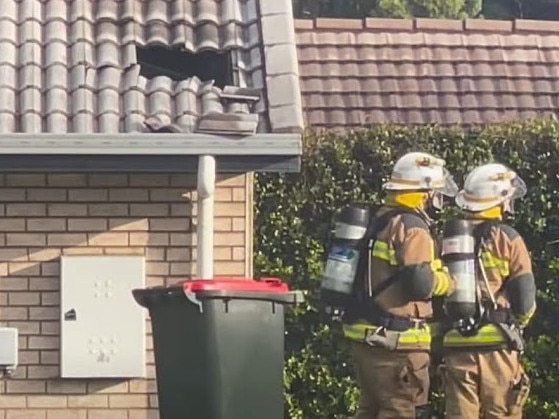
{"points": [[103, 331], [8, 349]]}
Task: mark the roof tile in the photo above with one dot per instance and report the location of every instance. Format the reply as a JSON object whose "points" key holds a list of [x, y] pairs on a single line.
{"points": [[536, 25], [449, 73], [328, 23], [278, 32], [439, 24], [488, 25], [387, 24]]}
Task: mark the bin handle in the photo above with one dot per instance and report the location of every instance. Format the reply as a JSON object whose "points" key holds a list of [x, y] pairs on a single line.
{"points": [[191, 296], [271, 281]]}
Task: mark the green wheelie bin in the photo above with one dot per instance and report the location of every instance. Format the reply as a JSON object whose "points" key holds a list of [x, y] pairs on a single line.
{"points": [[219, 347]]}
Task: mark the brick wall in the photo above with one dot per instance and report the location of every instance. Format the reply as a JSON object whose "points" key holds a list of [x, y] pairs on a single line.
{"points": [[45, 216]]}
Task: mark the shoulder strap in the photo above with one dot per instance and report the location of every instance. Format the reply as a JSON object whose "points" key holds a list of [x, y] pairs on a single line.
{"points": [[383, 221], [379, 223], [483, 232]]}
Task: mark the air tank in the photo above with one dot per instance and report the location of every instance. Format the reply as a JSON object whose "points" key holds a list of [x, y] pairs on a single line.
{"points": [[341, 267], [458, 255]]}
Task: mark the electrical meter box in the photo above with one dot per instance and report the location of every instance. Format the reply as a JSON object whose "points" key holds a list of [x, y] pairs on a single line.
{"points": [[103, 330], [8, 350]]}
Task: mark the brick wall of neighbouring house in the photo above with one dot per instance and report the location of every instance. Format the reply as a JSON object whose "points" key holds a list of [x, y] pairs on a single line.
{"points": [[44, 216]]}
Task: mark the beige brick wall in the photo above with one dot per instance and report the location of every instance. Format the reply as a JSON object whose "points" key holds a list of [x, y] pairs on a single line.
{"points": [[44, 216]]}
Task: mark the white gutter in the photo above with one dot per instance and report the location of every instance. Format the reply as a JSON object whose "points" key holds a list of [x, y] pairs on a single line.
{"points": [[205, 224]]}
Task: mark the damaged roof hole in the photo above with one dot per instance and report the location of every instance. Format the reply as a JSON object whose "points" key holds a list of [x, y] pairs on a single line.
{"points": [[180, 65]]}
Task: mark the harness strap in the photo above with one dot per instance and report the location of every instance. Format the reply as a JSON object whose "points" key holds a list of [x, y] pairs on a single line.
{"points": [[397, 323], [501, 316]]}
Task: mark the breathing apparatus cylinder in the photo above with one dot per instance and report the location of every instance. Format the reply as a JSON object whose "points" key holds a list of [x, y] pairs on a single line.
{"points": [[458, 255], [341, 268]]}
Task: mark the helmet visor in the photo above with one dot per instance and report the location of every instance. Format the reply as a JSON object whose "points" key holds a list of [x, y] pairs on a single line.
{"points": [[517, 190], [448, 187], [518, 187]]}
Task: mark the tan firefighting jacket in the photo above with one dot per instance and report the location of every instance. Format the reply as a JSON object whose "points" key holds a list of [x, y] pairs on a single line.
{"points": [[508, 267], [405, 242]]}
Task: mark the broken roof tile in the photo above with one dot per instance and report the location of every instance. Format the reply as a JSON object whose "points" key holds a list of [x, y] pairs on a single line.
{"points": [[75, 67]]}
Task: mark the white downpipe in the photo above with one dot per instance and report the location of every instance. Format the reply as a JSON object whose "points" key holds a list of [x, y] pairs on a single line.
{"points": [[205, 227]]}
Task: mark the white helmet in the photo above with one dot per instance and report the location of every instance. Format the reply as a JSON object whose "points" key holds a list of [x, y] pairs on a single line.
{"points": [[421, 171], [488, 186]]}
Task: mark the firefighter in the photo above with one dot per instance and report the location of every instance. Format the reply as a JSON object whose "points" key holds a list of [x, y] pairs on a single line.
{"points": [[482, 373], [387, 327]]}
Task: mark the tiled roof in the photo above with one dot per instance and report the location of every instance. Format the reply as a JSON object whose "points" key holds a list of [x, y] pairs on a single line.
{"points": [[71, 65], [356, 72]]}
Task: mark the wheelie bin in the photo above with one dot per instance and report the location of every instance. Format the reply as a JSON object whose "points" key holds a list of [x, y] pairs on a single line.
{"points": [[219, 347]]}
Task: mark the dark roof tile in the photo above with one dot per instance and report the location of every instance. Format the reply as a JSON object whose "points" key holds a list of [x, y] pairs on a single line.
{"points": [[509, 101], [409, 84], [457, 74], [449, 101], [374, 101], [544, 102]]}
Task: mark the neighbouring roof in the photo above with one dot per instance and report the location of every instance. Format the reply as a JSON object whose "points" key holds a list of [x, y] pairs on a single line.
{"points": [[361, 72], [71, 66]]}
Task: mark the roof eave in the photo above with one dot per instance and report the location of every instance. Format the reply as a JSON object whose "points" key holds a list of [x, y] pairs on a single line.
{"points": [[148, 152]]}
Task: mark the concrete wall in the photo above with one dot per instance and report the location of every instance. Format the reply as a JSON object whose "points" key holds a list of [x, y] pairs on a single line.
{"points": [[43, 216]]}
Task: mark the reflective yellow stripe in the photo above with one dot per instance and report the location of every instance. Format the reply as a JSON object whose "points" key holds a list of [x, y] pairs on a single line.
{"points": [[488, 335], [383, 251], [436, 265], [525, 318], [442, 283], [355, 331], [415, 337], [441, 278], [412, 337], [490, 261]]}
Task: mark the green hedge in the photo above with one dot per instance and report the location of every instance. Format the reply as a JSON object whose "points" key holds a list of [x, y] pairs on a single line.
{"points": [[294, 214]]}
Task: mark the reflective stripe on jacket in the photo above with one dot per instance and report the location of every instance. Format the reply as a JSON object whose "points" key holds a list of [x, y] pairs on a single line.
{"points": [[382, 251], [488, 335], [491, 261]]}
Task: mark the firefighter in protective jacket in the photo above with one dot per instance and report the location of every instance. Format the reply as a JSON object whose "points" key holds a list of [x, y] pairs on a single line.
{"points": [[387, 326], [482, 375]]}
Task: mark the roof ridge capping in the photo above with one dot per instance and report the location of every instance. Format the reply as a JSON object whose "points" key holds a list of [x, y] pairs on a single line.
{"points": [[427, 24]]}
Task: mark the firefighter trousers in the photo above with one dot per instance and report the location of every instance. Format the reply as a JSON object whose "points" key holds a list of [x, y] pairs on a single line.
{"points": [[392, 383], [486, 385]]}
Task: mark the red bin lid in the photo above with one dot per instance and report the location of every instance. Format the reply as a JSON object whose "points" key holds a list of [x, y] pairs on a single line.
{"points": [[263, 285]]}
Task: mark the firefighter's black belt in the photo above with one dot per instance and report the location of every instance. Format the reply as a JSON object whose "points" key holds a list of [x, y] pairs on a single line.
{"points": [[398, 323]]}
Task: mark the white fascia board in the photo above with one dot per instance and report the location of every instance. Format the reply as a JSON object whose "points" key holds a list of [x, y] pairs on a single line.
{"points": [[151, 144]]}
